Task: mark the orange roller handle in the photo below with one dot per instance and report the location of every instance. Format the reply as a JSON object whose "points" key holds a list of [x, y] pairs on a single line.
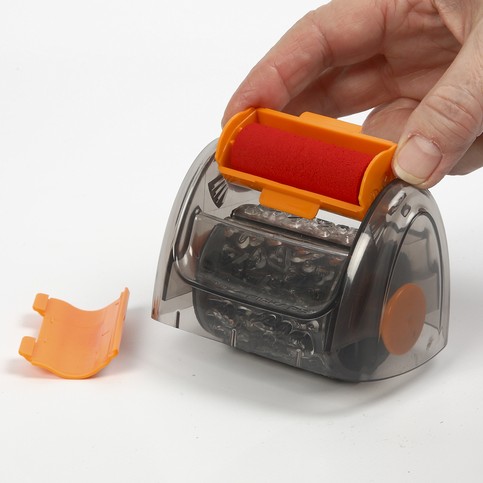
{"points": [[278, 187]]}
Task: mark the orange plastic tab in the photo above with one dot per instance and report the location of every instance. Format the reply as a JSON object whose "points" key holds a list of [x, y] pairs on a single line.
{"points": [[333, 131], [73, 343], [403, 319]]}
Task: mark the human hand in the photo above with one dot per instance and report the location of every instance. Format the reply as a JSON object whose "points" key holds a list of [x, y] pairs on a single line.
{"points": [[418, 63]]}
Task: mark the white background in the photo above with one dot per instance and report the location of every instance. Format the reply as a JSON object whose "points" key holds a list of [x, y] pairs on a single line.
{"points": [[103, 107]]}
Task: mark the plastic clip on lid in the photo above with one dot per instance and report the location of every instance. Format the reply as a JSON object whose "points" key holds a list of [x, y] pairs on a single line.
{"points": [[73, 343], [304, 163]]}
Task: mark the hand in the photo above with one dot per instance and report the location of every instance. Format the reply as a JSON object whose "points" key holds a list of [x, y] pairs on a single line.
{"points": [[418, 63]]}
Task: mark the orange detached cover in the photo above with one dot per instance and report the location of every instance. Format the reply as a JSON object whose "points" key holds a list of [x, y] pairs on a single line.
{"points": [[73, 343]]}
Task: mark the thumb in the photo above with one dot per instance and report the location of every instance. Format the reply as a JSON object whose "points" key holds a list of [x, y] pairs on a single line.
{"points": [[447, 121]]}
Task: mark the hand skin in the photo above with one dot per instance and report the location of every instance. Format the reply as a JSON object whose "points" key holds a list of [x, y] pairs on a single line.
{"points": [[417, 63]]}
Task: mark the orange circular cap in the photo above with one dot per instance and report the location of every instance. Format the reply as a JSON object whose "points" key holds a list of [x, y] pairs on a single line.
{"points": [[403, 319]]}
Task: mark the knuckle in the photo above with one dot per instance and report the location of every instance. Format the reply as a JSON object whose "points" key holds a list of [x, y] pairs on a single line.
{"points": [[448, 5], [313, 25], [458, 112]]}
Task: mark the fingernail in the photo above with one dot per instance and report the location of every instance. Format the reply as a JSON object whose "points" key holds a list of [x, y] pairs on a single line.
{"points": [[417, 159]]}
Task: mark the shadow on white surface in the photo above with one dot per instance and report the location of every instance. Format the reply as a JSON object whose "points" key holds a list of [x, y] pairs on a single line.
{"points": [[466, 313], [197, 365], [22, 368], [31, 322]]}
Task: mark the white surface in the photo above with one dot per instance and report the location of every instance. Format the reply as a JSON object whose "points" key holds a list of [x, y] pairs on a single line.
{"points": [[103, 107]]}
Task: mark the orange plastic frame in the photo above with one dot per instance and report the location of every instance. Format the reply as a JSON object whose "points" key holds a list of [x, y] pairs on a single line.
{"points": [[298, 201], [73, 343]]}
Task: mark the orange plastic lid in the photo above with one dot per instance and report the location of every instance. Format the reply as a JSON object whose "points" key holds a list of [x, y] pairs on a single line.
{"points": [[302, 202], [73, 343]]}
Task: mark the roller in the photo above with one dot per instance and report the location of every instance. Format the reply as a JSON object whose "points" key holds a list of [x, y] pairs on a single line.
{"points": [[302, 164]]}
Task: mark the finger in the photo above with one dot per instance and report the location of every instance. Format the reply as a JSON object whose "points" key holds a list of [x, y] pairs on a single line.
{"points": [[342, 91], [447, 121], [388, 120], [312, 45], [472, 160]]}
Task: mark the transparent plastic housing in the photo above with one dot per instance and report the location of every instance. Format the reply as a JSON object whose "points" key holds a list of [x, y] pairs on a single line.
{"points": [[354, 303]]}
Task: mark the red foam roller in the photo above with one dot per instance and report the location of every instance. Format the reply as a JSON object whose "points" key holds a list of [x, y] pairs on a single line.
{"points": [[300, 162]]}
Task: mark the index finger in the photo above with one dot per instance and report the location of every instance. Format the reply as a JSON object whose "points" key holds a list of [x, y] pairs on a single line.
{"points": [[339, 33]]}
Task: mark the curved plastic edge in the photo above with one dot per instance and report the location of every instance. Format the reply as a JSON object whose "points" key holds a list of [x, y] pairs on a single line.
{"points": [[389, 228], [74, 343]]}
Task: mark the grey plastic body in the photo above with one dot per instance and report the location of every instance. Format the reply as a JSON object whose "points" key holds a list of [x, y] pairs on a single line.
{"points": [[309, 293]]}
